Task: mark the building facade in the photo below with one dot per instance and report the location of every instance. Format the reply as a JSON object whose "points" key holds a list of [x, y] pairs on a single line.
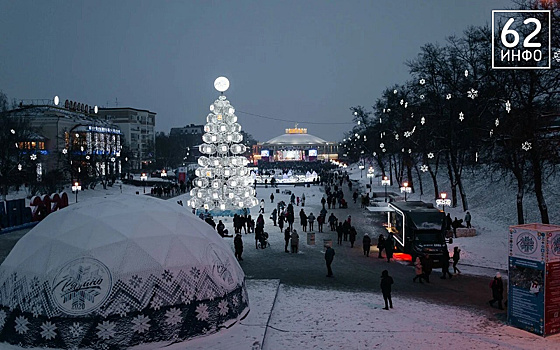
{"points": [[138, 129]]}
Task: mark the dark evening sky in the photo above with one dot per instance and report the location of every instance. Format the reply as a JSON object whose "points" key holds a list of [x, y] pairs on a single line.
{"points": [[305, 61]]}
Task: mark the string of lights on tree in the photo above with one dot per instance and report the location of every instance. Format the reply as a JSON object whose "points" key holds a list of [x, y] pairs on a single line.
{"points": [[223, 181]]}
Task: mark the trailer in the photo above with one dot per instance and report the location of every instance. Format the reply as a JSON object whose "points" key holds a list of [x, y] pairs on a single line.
{"points": [[418, 229]]}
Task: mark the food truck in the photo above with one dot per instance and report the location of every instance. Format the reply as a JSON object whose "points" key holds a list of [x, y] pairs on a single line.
{"points": [[418, 229]]}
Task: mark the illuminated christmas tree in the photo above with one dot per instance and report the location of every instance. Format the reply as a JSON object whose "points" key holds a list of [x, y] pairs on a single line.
{"points": [[223, 181]]}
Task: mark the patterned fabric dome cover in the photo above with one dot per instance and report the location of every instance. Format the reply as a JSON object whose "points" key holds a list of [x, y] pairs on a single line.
{"points": [[119, 271]]}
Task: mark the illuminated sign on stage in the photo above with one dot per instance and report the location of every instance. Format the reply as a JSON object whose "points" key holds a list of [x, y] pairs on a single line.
{"points": [[313, 153], [265, 153]]}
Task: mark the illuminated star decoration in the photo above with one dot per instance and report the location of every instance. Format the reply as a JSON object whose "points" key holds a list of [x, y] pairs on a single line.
{"points": [[33, 157], [412, 115], [466, 73], [19, 167], [472, 93], [421, 97], [422, 120], [497, 122], [395, 91], [526, 146], [557, 56], [491, 132], [407, 134], [461, 116], [64, 151], [402, 150], [381, 145], [508, 106], [402, 102], [409, 150], [87, 157], [424, 168], [396, 136], [448, 97], [423, 81], [384, 150], [13, 131], [405, 104], [430, 155]]}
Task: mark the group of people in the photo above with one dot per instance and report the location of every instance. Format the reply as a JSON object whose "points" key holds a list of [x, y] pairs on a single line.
{"points": [[423, 266]]}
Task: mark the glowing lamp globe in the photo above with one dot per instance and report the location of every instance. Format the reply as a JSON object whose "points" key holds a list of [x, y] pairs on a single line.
{"points": [[221, 84]]}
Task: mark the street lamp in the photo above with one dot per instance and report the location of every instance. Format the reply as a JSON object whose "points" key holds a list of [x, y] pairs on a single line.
{"points": [[76, 188], [385, 182], [443, 201], [144, 178], [405, 189], [370, 175]]}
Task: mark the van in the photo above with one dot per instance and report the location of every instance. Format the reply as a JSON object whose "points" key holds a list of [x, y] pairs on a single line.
{"points": [[418, 229]]}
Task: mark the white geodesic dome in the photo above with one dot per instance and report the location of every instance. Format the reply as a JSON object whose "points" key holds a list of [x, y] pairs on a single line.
{"points": [[116, 272]]}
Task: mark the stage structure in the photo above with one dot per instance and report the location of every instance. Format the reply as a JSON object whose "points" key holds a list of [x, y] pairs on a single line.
{"points": [[295, 145]]}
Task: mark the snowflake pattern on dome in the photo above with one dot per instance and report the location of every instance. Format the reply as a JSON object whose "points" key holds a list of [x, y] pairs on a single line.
{"points": [[48, 330], [76, 329], [2, 318], [140, 324], [223, 307], [21, 325], [156, 303], [106, 330], [202, 312], [173, 316]]}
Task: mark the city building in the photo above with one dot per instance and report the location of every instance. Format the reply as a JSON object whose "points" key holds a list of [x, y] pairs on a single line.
{"points": [[187, 139], [69, 137], [295, 145], [138, 129]]}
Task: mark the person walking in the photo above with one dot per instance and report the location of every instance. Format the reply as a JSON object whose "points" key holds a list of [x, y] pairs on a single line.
{"points": [[445, 265], [238, 245], [353, 234], [303, 200], [287, 237], [281, 219], [389, 246], [339, 233], [261, 210], [274, 216], [497, 287], [303, 220], [311, 221], [272, 198], [418, 270], [386, 282], [468, 219], [323, 201], [456, 257], [380, 245], [293, 199], [295, 241], [346, 229], [427, 265], [329, 256], [320, 222], [366, 243], [332, 222], [290, 219]]}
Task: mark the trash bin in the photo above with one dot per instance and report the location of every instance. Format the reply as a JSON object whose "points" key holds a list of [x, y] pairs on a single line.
{"points": [[277, 190], [327, 242], [310, 238]]}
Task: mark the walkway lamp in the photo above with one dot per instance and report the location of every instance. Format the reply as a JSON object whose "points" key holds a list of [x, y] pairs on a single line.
{"points": [[385, 182]]}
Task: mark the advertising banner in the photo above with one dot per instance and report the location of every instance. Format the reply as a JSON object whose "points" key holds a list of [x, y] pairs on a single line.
{"points": [[552, 298], [526, 295], [553, 246], [526, 243]]}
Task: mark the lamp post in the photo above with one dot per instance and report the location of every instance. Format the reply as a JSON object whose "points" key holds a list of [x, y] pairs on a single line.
{"points": [[385, 182], [370, 175], [76, 188], [443, 201], [144, 178], [405, 189]]}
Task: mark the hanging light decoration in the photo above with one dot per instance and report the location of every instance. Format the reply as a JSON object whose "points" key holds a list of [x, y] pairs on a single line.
{"points": [[223, 180]]}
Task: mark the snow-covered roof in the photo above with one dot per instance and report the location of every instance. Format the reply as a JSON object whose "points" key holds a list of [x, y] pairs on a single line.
{"points": [[296, 139]]}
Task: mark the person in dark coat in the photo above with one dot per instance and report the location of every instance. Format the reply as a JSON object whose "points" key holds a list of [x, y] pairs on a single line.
{"points": [[281, 219], [238, 245], [295, 241], [497, 287], [272, 198], [389, 246], [468, 219], [448, 222], [353, 235], [320, 222], [287, 236], [303, 220], [427, 265], [329, 256], [386, 282], [339, 232], [445, 265], [366, 242], [346, 229], [311, 221], [381, 245], [274, 215], [456, 257]]}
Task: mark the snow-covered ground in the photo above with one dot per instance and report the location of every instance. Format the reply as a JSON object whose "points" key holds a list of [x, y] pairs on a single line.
{"points": [[304, 318]]}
